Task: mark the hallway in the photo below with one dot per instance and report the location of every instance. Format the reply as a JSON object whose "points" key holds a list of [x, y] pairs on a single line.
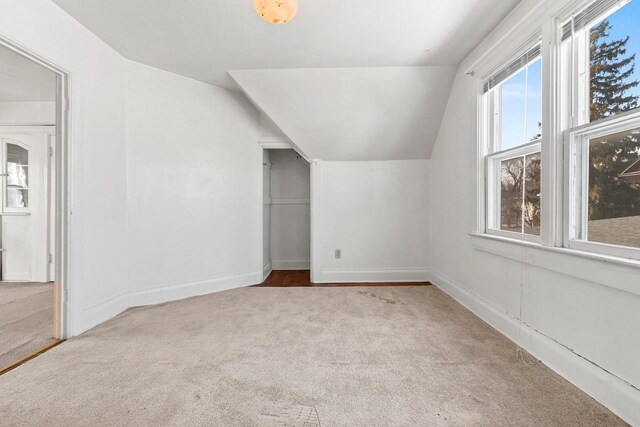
{"points": [[26, 319]]}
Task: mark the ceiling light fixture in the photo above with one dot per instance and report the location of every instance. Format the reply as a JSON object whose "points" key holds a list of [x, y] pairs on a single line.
{"points": [[276, 11]]}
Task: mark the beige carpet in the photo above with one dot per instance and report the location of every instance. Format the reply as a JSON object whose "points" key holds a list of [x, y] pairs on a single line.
{"points": [[385, 356], [26, 319]]}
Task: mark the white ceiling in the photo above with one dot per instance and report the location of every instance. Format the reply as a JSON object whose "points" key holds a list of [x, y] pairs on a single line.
{"points": [[381, 113], [203, 39], [22, 80]]}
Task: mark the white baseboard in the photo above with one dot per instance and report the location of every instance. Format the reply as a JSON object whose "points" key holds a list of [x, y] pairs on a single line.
{"points": [[380, 275], [266, 271], [614, 393], [290, 264], [94, 315]]}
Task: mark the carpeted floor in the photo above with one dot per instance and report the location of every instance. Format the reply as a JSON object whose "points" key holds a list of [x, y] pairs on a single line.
{"points": [[26, 319], [294, 356]]}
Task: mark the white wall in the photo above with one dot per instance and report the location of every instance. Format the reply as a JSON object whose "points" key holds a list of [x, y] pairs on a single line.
{"points": [[376, 213], [575, 321], [138, 234], [266, 213], [98, 172], [290, 217], [27, 113], [194, 185]]}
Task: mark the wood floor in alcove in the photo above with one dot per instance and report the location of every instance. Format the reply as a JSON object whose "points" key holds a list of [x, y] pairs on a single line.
{"points": [[302, 278]]}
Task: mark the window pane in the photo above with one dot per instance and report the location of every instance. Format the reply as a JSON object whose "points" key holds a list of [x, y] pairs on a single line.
{"points": [[512, 113], [614, 189], [614, 49], [17, 176], [534, 101], [511, 195], [521, 107], [532, 195]]}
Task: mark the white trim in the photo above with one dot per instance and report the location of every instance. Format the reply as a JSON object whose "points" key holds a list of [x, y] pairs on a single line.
{"points": [[275, 143], [63, 200], [22, 129], [577, 181], [94, 315], [498, 45], [513, 235], [493, 178], [620, 273], [551, 150], [266, 271], [614, 393], [373, 275], [290, 264], [315, 209], [289, 201]]}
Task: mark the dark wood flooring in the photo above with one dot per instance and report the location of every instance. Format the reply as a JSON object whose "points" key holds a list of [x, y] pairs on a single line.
{"points": [[302, 278]]}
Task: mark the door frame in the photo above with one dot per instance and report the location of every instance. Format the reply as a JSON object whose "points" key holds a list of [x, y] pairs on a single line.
{"points": [[283, 143], [62, 166]]}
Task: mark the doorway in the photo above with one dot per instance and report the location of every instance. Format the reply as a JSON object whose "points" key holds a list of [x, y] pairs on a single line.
{"points": [[286, 212], [31, 306]]}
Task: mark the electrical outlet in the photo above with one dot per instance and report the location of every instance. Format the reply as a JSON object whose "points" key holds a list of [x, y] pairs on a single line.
{"points": [[338, 253]]}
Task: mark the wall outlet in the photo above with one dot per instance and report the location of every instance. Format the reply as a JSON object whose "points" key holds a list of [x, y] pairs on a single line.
{"points": [[338, 253]]}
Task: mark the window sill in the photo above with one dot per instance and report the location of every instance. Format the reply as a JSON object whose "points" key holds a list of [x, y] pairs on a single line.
{"points": [[621, 273]]}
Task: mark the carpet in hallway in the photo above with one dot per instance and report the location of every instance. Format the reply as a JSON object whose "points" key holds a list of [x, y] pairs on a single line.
{"points": [[26, 319]]}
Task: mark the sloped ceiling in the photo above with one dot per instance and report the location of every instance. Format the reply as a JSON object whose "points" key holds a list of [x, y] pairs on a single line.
{"points": [[385, 113], [339, 80], [203, 39]]}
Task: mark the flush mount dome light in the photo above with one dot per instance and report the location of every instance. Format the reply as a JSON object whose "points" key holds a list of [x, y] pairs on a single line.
{"points": [[276, 11]]}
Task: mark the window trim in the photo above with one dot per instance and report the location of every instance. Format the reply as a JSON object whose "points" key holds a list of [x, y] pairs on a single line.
{"points": [[576, 188], [561, 115], [489, 133]]}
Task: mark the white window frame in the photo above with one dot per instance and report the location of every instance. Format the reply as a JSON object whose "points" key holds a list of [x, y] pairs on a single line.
{"points": [[490, 131], [565, 115], [494, 181], [574, 56], [577, 155]]}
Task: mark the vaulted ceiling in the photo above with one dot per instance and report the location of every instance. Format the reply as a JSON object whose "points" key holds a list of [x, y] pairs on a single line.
{"points": [[203, 39], [380, 113], [345, 80]]}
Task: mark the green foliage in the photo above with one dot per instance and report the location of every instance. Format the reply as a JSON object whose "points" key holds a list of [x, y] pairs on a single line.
{"points": [[611, 84]]}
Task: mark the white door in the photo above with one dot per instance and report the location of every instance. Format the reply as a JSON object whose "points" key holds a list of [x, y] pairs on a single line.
{"points": [[16, 256], [24, 207]]}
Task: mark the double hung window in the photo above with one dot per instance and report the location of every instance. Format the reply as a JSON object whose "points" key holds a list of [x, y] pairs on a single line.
{"points": [[593, 147]]}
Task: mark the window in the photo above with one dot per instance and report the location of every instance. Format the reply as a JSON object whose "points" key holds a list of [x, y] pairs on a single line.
{"points": [[514, 102], [603, 172], [17, 176], [590, 200]]}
